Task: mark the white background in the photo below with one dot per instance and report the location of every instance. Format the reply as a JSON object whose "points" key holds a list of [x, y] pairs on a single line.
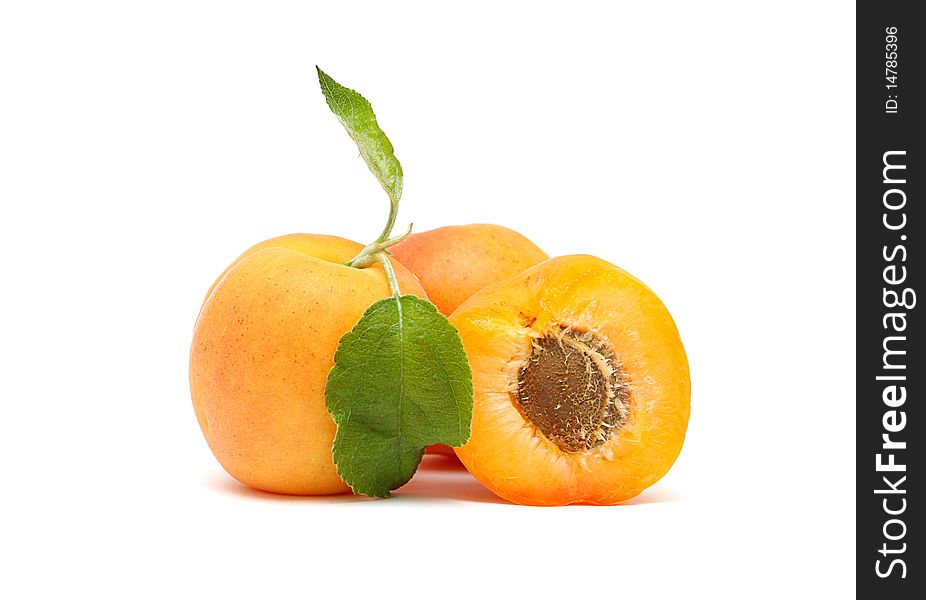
{"points": [[708, 148]]}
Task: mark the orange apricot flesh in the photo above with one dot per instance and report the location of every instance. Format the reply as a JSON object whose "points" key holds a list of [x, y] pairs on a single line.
{"points": [[540, 438], [262, 347]]}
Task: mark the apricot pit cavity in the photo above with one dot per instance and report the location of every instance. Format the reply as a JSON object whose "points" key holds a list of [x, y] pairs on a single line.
{"points": [[572, 389]]}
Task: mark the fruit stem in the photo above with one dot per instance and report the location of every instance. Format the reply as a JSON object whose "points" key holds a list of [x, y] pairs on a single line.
{"points": [[368, 255], [390, 274]]}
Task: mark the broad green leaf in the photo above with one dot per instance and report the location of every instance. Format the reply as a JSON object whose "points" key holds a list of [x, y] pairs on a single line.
{"points": [[356, 115], [400, 382]]}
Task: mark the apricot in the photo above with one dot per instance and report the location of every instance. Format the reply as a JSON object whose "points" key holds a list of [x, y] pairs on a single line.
{"points": [[581, 384], [455, 262], [262, 347]]}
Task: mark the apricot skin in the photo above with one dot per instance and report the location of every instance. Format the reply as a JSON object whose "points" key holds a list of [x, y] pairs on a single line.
{"points": [[455, 262], [506, 452], [262, 347]]}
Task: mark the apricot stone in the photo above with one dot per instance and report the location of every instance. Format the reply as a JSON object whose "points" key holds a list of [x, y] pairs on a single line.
{"points": [[262, 347], [455, 262]]}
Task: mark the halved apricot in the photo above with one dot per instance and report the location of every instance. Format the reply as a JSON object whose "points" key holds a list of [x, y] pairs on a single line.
{"points": [[581, 384]]}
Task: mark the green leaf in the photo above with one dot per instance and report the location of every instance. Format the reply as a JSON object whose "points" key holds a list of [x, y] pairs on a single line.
{"points": [[400, 382], [356, 115]]}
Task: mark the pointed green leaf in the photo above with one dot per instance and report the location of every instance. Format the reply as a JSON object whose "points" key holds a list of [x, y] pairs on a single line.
{"points": [[400, 382], [356, 115]]}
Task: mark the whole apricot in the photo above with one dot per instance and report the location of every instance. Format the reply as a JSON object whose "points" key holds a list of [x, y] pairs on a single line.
{"points": [[455, 262], [581, 384], [262, 347]]}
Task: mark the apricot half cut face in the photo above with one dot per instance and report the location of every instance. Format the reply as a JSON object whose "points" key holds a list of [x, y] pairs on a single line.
{"points": [[581, 384]]}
